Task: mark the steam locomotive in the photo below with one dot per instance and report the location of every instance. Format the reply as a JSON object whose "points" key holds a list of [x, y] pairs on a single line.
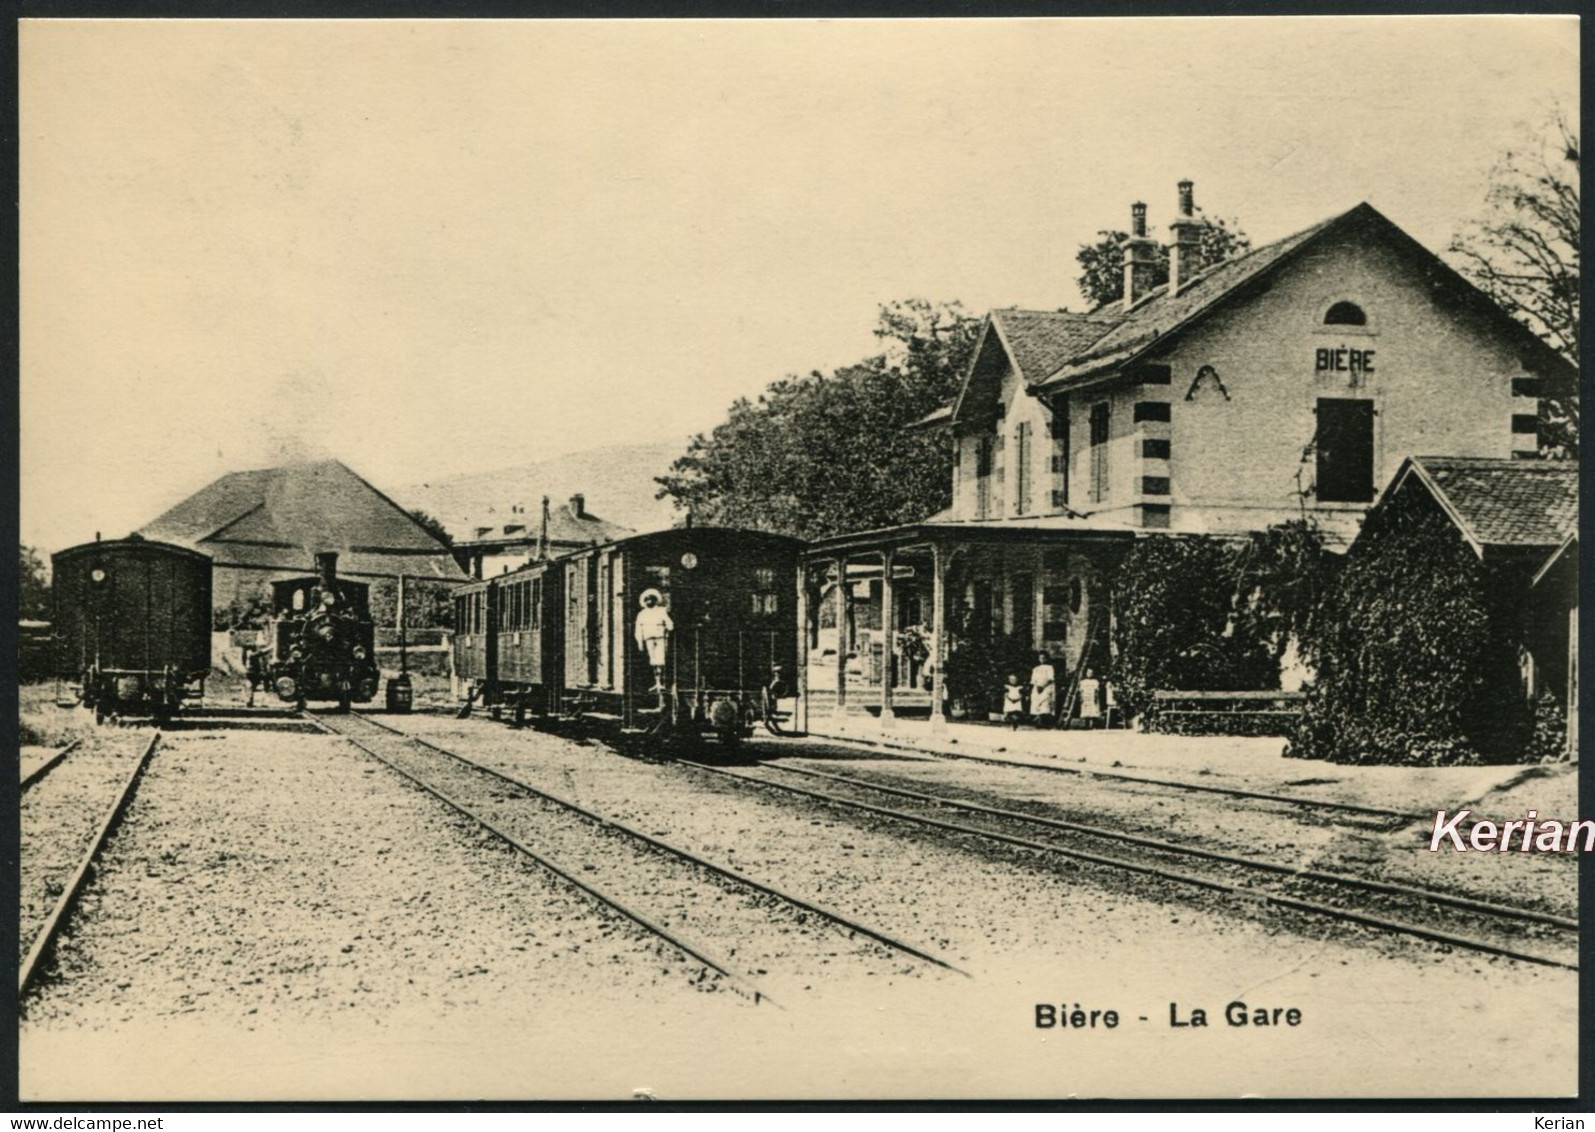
{"points": [[320, 641]]}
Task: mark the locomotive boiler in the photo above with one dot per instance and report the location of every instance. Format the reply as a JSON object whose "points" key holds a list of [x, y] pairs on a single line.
{"points": [[320, 641], [132, 624]]}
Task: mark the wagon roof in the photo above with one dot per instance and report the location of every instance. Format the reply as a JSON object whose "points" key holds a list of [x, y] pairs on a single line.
{"points": [[132, 541]]}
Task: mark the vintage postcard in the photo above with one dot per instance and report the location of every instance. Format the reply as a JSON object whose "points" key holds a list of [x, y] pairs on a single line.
{"points": [[990, 558]]}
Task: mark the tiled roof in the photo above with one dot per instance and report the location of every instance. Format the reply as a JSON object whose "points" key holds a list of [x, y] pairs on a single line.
{"points": [[1040, 341], [565, 525], [1127, 332], [277, 518], [1505, 503], [1054, 349]]}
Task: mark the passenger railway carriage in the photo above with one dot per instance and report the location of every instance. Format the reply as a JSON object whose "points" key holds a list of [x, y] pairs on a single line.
{"points": [[584, 635]]}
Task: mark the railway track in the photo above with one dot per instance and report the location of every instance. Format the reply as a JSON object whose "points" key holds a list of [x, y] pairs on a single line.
{"points": [[44, 943], [659, 866], [1299, 889], [33, 777], [1381, 813]]}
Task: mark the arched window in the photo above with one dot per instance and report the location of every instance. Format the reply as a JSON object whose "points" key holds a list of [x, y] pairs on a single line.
{"points": [[1345, 314]]}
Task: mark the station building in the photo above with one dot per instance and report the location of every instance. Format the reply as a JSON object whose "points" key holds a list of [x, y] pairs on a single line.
{"points": [[1287, 382]]}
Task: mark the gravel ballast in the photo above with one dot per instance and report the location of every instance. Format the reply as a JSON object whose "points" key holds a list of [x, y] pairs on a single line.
{"points": [[601, 1012]]}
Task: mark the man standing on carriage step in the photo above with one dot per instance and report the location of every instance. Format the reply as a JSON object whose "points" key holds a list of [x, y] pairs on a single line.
{"points": [[653, 634]]}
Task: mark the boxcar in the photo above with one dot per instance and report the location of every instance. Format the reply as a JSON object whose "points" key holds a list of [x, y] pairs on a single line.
{"points": [[560, 638], [132, 624]]}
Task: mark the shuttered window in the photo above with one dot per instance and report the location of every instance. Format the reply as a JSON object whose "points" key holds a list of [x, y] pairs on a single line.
{"points": [[1021, 478], [1099, 452]]}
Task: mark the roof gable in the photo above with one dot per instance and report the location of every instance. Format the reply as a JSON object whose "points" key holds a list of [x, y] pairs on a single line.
{"points": [[1160, 318], [1034, 343], [300, 509], [564, 526], [1500, 503]]}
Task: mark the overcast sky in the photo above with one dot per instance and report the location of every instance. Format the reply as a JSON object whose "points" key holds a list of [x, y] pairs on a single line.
{"points": [[445, 247]]}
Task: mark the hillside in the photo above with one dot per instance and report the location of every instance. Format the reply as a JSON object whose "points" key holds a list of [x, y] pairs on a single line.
{"points": [[617, 481]]}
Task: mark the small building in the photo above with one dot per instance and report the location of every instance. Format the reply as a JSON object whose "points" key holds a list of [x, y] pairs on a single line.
{"points": [[262, 525], [1285, 383], [490, 549], [1553, 630], [1503, 535]]}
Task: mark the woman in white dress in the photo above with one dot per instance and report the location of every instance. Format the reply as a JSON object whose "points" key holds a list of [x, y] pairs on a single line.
{"points": [[1043, 690]]}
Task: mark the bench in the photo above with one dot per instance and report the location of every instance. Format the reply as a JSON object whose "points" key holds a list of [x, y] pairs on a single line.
{"points": [[1267, 712]]}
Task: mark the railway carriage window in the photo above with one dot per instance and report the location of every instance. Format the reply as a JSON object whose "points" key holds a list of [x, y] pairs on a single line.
{"points": [[658, 577], [764, 578], [537, 603], [764, 603], [299, 601]]}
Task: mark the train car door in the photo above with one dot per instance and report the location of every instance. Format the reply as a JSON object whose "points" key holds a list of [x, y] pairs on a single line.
{"points": [[575, 605], [590, 620], [491, 629]]}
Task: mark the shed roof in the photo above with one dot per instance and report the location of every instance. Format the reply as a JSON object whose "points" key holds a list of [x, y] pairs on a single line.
{"points": [[277, 518], [1501, 503]]}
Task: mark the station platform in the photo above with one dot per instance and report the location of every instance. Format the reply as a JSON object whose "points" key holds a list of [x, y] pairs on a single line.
{"points": [[1246, 763]]}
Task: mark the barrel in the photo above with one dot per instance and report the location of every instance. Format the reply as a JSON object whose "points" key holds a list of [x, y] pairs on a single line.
{"points": [[399, 694]]}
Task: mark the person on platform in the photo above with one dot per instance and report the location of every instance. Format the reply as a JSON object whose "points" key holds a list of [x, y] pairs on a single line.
{"points": [[1043, 691], [653, 634], [1090, 699], [1013, 702]]}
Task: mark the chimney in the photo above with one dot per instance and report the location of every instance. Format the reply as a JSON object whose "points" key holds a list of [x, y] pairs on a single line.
{"points": [[327, 568], [1140, 257], [578, 505], [542, 539], [1185, 249]]}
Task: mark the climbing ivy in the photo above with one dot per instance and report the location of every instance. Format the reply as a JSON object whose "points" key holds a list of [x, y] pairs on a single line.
{"points": [[1415, 652]]}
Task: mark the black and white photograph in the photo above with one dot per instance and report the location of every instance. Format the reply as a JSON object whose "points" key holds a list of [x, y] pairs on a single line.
{"points": [[588, 560]]}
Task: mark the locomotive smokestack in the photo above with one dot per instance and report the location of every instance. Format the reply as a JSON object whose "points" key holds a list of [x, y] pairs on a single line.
{"points": [[327, 567]]}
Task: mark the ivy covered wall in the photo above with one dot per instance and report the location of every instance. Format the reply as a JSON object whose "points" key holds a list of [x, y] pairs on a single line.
{"points": [[1416, 650]]}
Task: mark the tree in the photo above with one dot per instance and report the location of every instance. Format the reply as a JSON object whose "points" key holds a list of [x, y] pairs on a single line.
{"points": [[1101, 278], [1522, 251], [817, 455], [33, 591], [433, 526]]}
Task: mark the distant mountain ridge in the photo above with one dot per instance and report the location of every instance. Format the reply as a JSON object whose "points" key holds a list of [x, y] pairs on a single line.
{"points": [[617, 483]]}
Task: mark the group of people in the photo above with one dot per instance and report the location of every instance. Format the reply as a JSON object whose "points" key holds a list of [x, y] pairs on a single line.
{"points": [[1042, 709]]}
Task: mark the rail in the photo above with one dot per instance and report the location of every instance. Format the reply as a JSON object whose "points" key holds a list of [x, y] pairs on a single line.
{"points": [[1421, 931], [44, 943], [36, 775]]}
